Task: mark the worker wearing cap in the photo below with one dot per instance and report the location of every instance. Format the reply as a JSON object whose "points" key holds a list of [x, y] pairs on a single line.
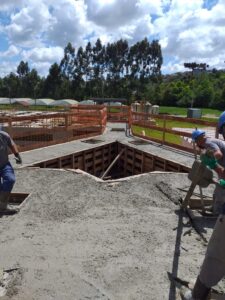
{"points": [[214, 158], [221, 125], [213, 267], [7, 176]]}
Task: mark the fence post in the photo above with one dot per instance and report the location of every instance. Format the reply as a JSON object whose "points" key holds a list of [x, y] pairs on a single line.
{"points": [[164, 127]]}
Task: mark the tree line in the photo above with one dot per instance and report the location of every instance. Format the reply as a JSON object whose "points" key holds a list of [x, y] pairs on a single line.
{"points": [[112, 70], [187, 89], [118, 70]]}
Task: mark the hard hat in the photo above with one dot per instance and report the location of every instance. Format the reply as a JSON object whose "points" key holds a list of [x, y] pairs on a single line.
{"points": [[221, 122], [197, 133]]}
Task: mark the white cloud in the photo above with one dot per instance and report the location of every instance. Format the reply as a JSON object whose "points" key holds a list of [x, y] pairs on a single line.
{"points": [[6, 67], [41, 67], [42, 58], [6, 5], [69, 23], [52, 54], [114, 14], [12, 51], [190, 32], [27, 25], [42, 28], [173, 67]]}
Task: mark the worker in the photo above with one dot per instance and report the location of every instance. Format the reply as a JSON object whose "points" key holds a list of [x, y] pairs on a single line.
{"points": [[221, 123], [213, 267], [214, 157], [7, 175]]}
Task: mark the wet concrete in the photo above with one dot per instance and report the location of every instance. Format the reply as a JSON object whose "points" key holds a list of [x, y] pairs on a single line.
{"points": [[81, 238]]}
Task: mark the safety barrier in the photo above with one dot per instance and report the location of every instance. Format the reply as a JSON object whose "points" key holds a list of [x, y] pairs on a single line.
{"points": [[159, 129], [44, 129], [118, 113], [41, 129]]}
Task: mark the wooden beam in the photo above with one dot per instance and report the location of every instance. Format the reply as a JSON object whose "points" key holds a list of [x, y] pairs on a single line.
{"points": [[112, 164]]}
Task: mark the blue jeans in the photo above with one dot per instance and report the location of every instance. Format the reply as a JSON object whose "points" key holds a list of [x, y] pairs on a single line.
{"points": [[7, 178]]}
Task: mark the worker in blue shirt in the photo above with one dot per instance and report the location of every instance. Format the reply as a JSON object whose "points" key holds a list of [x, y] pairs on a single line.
{"points": [[7, 176], [221, 124], [213, 267]]}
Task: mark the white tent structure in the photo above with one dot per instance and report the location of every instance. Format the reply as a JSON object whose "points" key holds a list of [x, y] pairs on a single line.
{"points": [[64, 102], [5, 101], [87, 102], [44, 102], [27, 101]]}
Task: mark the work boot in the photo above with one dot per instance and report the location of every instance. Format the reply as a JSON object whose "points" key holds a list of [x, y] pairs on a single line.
{"points": [[200, 291], [4, 199]]}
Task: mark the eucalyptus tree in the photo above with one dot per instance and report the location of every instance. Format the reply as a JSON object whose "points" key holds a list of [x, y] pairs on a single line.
{"points": [[52, 84], [79, 74], [67, 70], [99, 67], [88, 68], [67, 64], [23, 69], [11, 85]]}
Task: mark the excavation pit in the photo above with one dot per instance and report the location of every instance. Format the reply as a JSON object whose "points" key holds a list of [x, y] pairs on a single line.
{"points": [[113, 161]]}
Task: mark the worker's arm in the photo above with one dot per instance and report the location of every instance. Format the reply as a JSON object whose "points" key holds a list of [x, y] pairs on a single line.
{"points": [[217, 154], [220, 171], [15, 151]]}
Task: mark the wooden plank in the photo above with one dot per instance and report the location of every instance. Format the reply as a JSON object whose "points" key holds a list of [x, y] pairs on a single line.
{"points": [[112, 164], [196, 203]]}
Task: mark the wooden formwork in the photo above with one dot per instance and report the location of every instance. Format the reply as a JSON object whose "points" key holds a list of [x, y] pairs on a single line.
{"points": [[96, 160]]}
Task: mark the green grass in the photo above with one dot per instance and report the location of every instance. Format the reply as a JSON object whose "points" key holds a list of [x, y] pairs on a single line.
{"points": [[31, 108], [170, 124], [182, 111], [171, 138]]}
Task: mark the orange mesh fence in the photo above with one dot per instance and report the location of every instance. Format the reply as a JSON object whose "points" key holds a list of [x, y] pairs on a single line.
{"points": [[118, 113], [169, 130], [43, 129]]}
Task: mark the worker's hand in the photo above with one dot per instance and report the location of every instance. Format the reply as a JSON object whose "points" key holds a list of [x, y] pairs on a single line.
{"points": [[222, 182], [18, 158], [208, 161], [210, 152]]}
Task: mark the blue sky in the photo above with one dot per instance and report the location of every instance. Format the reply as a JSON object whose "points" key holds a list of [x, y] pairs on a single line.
{"points": [[37, 31]]}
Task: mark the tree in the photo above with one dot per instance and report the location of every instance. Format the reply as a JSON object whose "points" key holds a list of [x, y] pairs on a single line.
{"points": [[23, 69], [52, 85], [193, 66], [67, 64]]}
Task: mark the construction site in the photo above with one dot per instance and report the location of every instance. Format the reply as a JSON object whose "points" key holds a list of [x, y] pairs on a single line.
{"points": [[100, 207]]}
